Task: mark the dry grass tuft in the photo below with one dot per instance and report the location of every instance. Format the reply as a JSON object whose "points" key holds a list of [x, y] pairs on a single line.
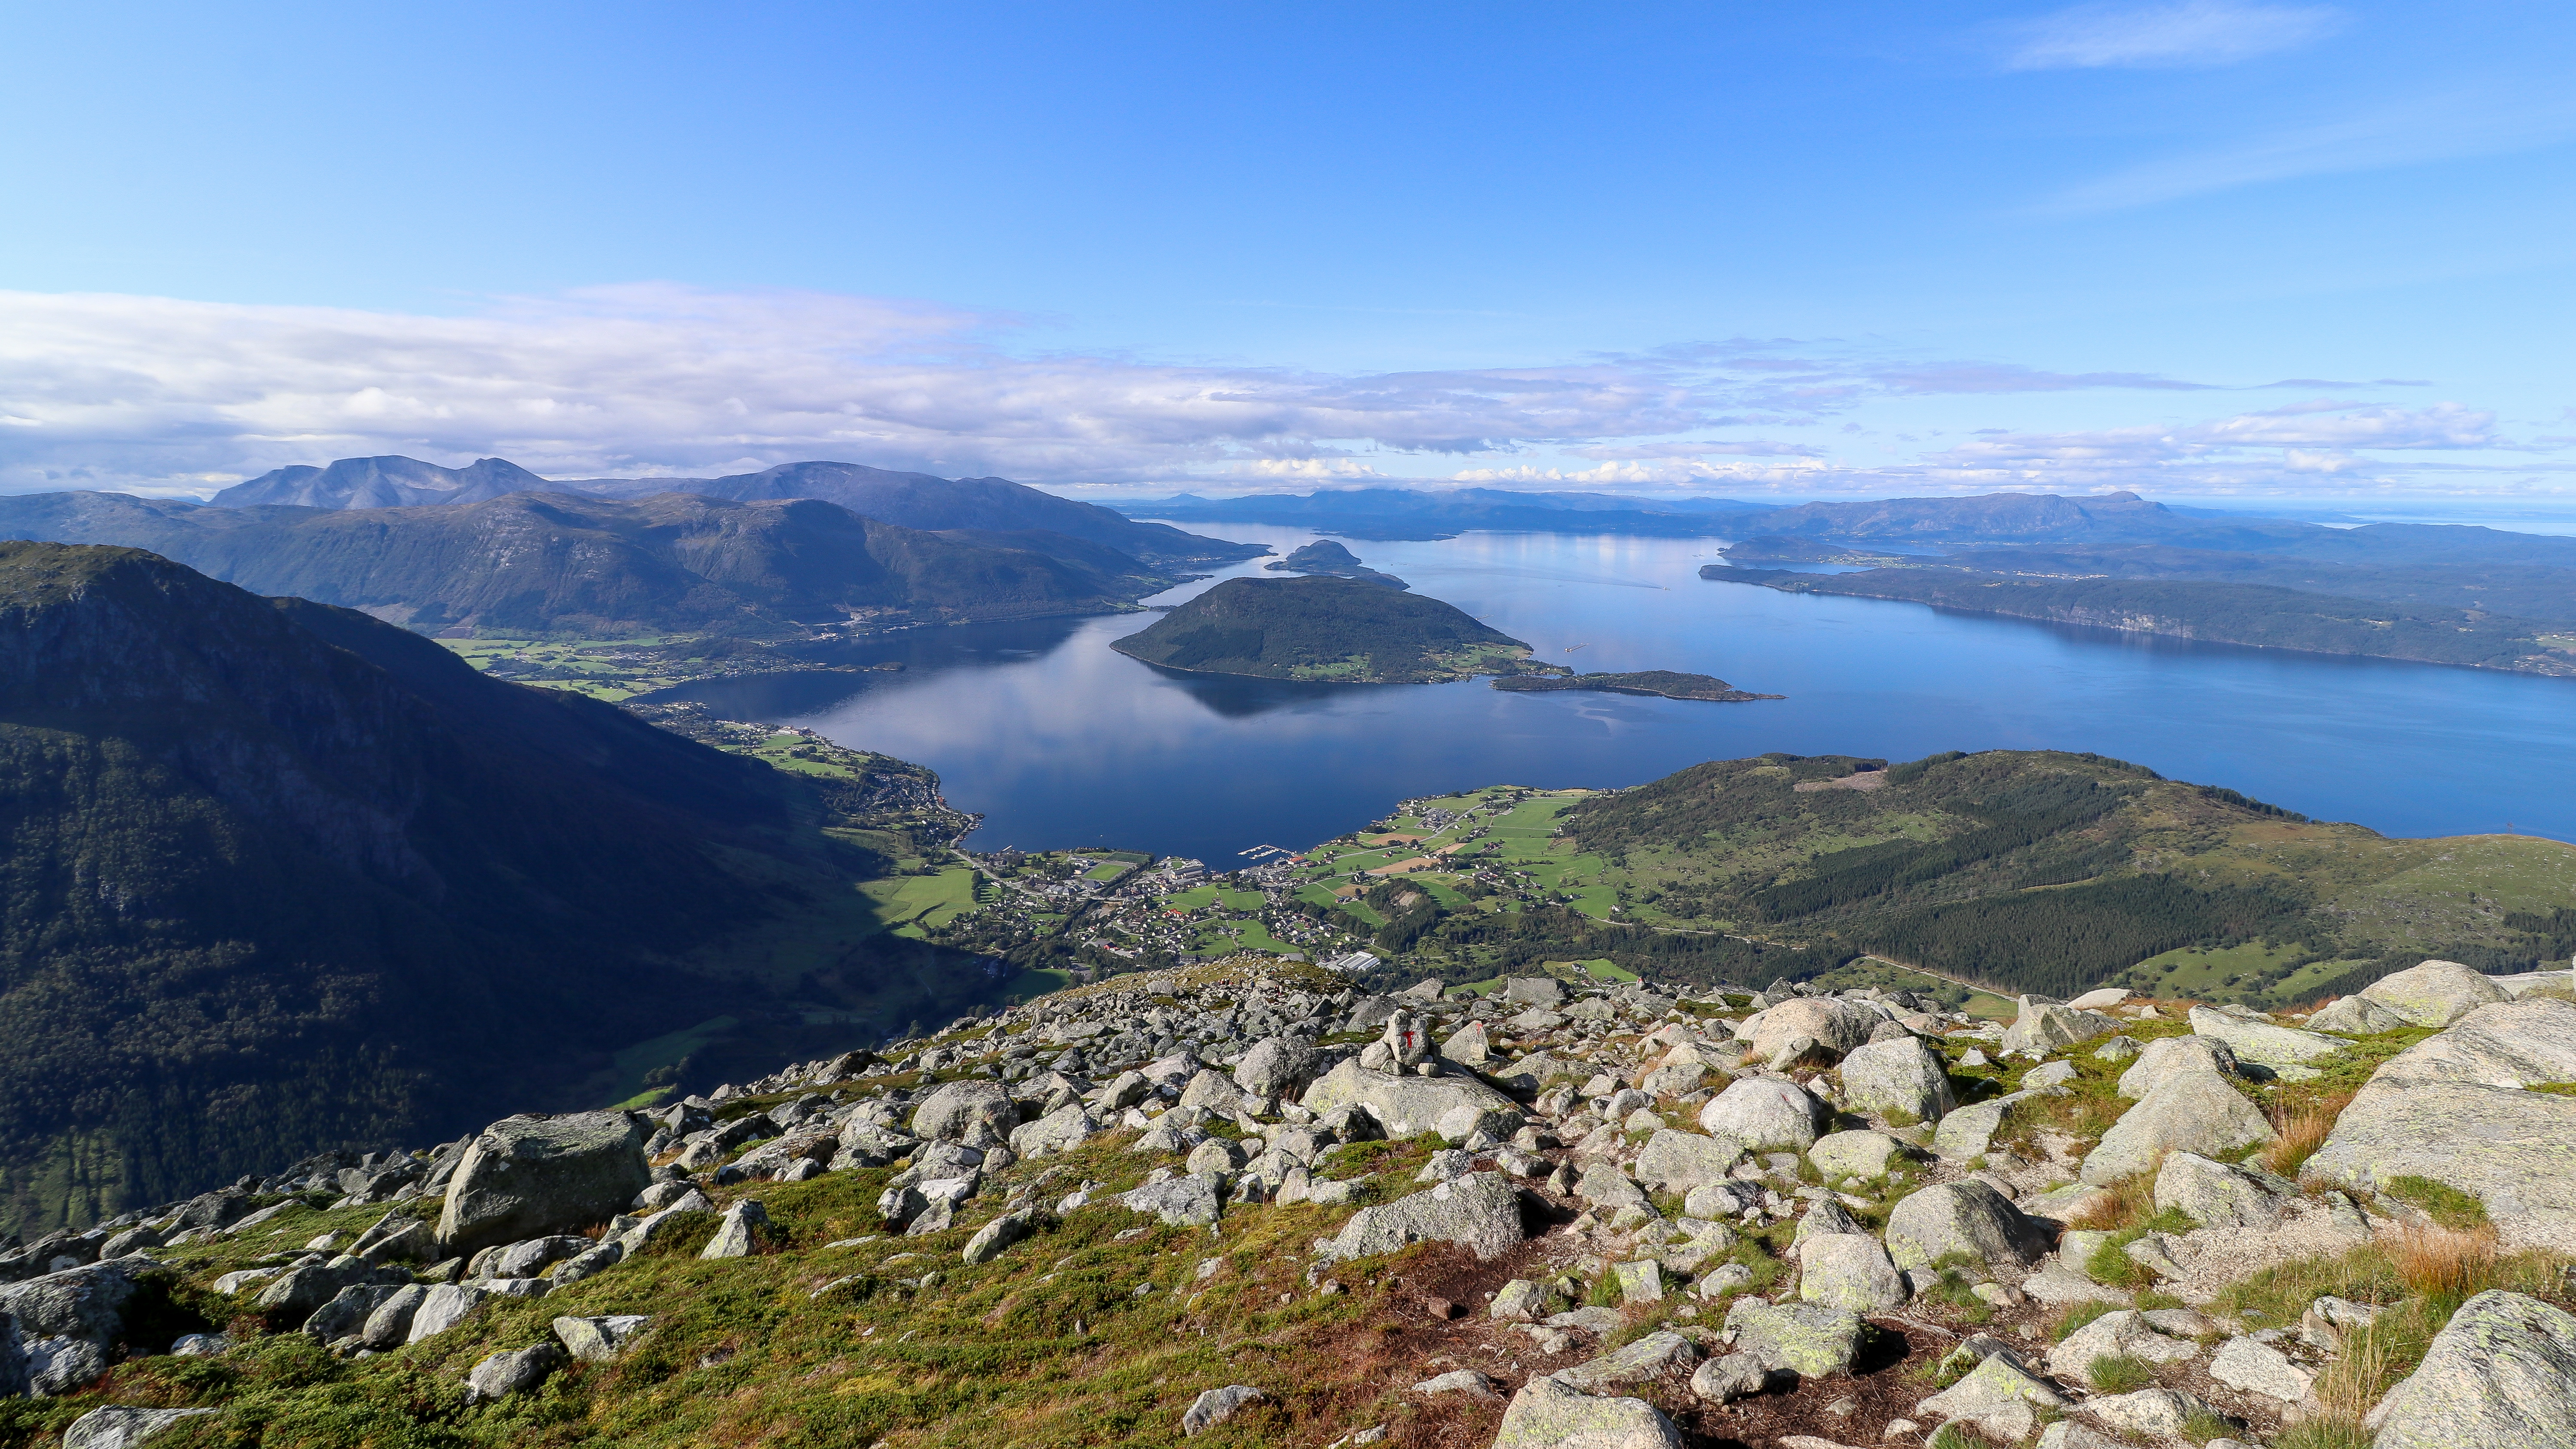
{"points": [[2124, 1204], [2446, 1263], [2303, 1130]]}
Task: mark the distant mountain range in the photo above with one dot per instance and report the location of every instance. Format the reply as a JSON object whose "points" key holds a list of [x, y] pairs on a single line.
{"points": [[278, 877], [908, 500], [1402, 513], [560, 563]]}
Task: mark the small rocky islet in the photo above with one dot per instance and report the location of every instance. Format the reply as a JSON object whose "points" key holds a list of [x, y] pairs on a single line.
{"points": [[1613, 1215]]}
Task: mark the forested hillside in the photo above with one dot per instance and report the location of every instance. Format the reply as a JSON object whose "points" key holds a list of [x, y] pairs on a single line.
{"points": [[276, 877], [2022, 871]]}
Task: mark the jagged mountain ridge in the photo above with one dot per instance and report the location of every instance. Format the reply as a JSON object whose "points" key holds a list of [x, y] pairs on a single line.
{"points": [[387, 482], [557, 562]]}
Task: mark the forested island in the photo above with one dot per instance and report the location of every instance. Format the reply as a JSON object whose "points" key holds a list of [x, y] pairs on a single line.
{"points": [[1327, 629], [1664, 683], [1324, 556]]}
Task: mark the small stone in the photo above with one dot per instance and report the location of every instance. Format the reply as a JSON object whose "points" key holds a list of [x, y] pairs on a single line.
{"points": [[1216, 1406]]}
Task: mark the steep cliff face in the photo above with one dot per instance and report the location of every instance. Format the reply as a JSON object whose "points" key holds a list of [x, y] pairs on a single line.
{"points": [[275, 876]]}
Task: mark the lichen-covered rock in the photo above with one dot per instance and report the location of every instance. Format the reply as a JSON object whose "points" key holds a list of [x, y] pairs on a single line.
{"points": [[1838, 1026], [2435, 993], [1812, 1340], [2221, 1194], [1734, 1376], [1960, 1217], [964, 1111], [1546, 1414], [1061, 1130], [1966, 1133], [1402, 1105], [1183, 1202], [1766, 1113], [2514, 1151], [1480, 1212], [1998, 1398], [442, 1308], [2258, 1368], [1522, 1301], [1278, 1066], [2151, 1413], [2189, 1111], [513, 1372], [1650, 1357], [1848, 1270], [2042, 1029], [600, 1339], [1216, 1406], [2167, 1056], [2356, 1016], [118, 1427], [2122, 1331], [1676, 1162], [2286, 1052], [526, 1177], [1900, 1078], [88, 1304], [737, 1231], [2501, 1372], [1859, 1153]]}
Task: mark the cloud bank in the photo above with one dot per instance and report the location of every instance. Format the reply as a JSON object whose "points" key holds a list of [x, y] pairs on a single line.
{"points": [[155, 394]]}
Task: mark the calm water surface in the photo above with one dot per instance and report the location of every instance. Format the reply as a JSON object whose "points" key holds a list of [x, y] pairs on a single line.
{"points": [[1060, 741]]}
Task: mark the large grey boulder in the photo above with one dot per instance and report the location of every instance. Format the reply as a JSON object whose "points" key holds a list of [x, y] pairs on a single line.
{"points": [[1836, 1025], [1676, 1162], [295, 1293], [2221, 1194], [600, 1339], [85, 1305], [2168, 1056], [2435, 993], [530, 1176], [123, 1428], [1812, 1340], [1480, 1212], [1278, 1066], [1216, 1406], [2121, 1331], [2042, 1029], [347, 1313], [966, 1111], [513, 1372], [2356, 1016], [442, 1308], [2188, 1112], [2499, 1373], [1900, 1077], [1960, 1217], [1404, 1106], [389, 1326], [2515, 1151], [1181, 1202], [2286, 1052], [1648, 1358], [2512, 1044], [1857, 1153], [1546, 1414], [737, 1231], [1966, 1133], [1766, 1113], [1998, 1398], [1061, 1130], [1848, 1270]]}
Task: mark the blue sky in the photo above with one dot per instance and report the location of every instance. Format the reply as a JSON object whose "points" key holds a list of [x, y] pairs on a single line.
{"points": [[2204, 249]]}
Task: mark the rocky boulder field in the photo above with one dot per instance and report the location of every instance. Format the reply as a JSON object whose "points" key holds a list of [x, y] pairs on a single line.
{"points": [[1245, 1204]]}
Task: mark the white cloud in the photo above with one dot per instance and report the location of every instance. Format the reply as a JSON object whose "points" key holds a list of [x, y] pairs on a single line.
{"points": [[175, 396], [2192, 33], [2488, 120]]}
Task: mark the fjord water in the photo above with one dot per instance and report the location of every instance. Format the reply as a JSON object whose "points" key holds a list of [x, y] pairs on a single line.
{"points": [[1061, 741]]}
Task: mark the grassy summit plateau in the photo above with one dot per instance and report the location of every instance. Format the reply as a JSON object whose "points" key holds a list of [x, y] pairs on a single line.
{"points": [[1324, 628]]}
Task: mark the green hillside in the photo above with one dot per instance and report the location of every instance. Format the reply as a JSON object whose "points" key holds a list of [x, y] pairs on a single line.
{"points": [[1324, 628], [551, 563], [278, 877], [2023, 871]]}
